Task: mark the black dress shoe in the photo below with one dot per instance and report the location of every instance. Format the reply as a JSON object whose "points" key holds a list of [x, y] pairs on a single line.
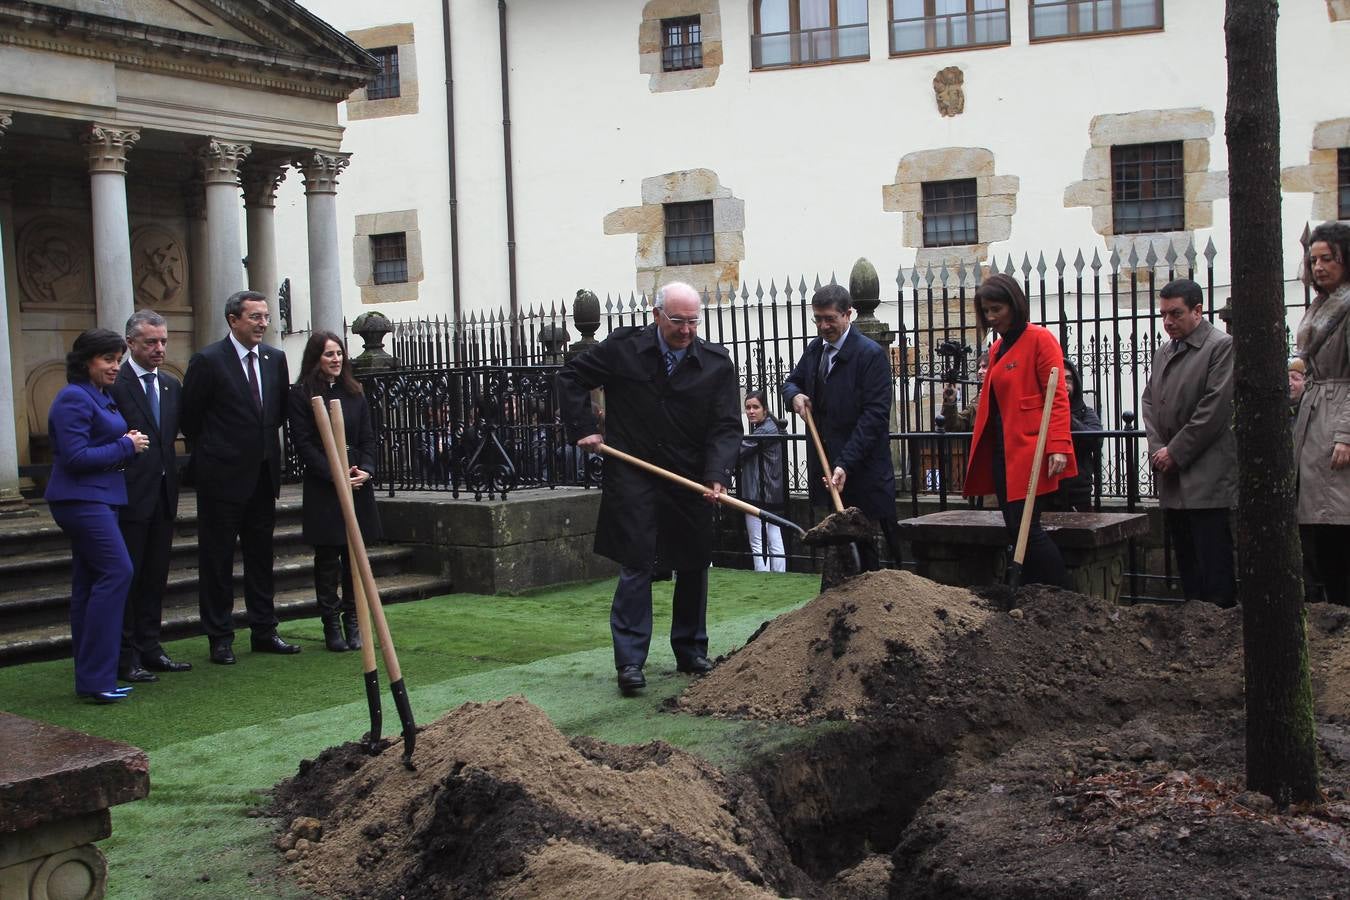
{"points": [[162, 663], [631, 680], [104, 697], [697, 665], [137, 675], [221, 653], [271, 643]]}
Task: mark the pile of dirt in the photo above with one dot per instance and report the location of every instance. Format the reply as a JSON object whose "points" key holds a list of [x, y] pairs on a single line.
{"points": [[503, 804]]}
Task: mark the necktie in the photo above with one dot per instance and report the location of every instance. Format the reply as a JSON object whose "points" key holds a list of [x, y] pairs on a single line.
{"points": [[826, 361], [254, 387], [671, 359], [152, 395]]}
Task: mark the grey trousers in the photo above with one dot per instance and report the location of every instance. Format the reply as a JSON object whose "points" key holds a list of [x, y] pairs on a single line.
{"points": [[630, 618]]}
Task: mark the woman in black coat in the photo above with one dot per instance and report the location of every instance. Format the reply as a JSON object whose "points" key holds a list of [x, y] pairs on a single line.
{"points": [[1075, 493], [326, 372], [762, 484]]}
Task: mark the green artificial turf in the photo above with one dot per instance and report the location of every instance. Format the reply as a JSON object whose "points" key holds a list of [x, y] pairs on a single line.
{"points": [[219, 737]]}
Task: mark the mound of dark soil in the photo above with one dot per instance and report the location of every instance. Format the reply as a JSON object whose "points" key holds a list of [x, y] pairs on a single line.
{"points": [[503, 804]]}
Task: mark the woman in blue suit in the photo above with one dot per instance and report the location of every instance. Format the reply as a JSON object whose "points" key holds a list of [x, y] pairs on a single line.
{"points": [[90, 447]]}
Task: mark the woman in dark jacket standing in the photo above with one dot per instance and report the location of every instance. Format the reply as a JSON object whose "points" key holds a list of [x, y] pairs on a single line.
{"points": [[1075, 493], [762, 485], [90, 447], [326, 372]]}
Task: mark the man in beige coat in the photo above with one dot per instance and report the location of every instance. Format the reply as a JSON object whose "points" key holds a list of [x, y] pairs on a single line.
{"points": [[1188, 415]]}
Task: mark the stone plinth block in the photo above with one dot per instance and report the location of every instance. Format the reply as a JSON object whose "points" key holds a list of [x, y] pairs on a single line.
{"points": [[969, 547], [532, 539]]}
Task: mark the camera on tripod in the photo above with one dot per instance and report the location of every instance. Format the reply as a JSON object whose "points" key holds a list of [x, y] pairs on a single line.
{"points": [[954, 354]]}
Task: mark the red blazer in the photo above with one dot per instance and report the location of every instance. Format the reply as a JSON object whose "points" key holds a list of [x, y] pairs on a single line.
{"points": [[1018, 380]]}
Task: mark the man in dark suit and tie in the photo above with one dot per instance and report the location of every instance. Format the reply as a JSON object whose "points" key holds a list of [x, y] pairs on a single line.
{"points": [[149, 401], [844, 378], [234, 402]]}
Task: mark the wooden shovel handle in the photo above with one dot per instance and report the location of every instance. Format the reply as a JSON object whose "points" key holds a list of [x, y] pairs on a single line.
{"points": [[1024, 529], [733, 502], [824, 460]]}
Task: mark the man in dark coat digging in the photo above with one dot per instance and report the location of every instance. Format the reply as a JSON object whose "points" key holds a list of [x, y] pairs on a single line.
{"points": [[670, 399]]}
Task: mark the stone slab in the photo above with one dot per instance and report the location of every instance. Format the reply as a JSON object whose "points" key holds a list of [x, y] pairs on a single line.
{"points": [[49, 773], [985, 528]]}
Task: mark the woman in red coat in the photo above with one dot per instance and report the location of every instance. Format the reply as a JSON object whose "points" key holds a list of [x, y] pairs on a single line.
{"points": [[1009, 419]]}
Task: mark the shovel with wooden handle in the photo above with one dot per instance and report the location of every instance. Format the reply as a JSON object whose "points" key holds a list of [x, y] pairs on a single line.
{"points": [[332, 427], [1028, 507], [842, 525], [726, 499]]}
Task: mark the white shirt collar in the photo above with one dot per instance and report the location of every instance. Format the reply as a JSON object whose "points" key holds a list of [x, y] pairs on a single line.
{"points": [[839, 343], [242, 350], [140, 372]]}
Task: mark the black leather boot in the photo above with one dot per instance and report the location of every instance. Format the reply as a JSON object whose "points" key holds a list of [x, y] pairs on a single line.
{"points": [[332, 635], [352, 629]]}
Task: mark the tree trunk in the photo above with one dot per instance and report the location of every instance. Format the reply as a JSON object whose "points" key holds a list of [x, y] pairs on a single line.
{"points": [[1281, 744]]}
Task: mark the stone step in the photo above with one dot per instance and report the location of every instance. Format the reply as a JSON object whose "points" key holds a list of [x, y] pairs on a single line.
{"points": [[48, 603], [52, 640]]}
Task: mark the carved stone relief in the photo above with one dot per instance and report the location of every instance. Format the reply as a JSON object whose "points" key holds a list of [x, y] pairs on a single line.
{"points": [[948, 85], [159, 268], [54, 263]]}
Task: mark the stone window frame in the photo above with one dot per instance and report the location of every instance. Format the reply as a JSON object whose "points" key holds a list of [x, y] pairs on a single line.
{"points": [[648, 222], [1338, 10], [401, 38], [995, 201], [795, 31], [369, 225], [1320, 176], [929, 21], [1194, 127], [1032, 6], [1343, 183], [651, 53]]}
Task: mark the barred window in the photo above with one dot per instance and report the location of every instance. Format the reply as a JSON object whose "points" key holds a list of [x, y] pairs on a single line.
{"points": [[1343, 182], [918, 26], [803, 32], [689, 233], [384, 84], [681, 44], [389, 258], [949, 213], [1147, 188], [1051, 19]]}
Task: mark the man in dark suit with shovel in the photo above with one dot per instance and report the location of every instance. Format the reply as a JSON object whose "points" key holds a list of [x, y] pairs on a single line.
{"points": [[148, 399], [234, 402]]}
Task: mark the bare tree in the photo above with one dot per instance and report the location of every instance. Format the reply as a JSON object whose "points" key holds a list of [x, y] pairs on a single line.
{"points": [[1281, 744]]}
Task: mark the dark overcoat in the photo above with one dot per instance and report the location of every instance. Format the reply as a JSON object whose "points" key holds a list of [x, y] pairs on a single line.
{"points": [[852, 410], [229, 436], [155, 468], [688, 423], [321, 517]]}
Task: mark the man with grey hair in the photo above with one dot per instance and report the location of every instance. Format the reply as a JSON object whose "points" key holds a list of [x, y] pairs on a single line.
{"points": [[671, 399], [149, 399], [234, 402]]}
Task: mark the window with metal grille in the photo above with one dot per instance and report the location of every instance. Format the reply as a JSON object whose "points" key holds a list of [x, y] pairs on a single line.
{"points": [[1052, 19], [389, 258], [1343, 182], [918, 26], [949, 213], [681, 44], [385, 83], [689, 233], [804, 32], [1148, 188]]}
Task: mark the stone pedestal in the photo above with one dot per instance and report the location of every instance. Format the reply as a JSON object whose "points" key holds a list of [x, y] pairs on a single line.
{"points": [[532, 539], [969, 547], [56, 786]]}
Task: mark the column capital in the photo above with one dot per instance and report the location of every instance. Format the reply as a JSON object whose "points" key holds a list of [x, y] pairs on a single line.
{"points": [[260, 181], [6, 120], [321, 170], [108, 145], [220, 161]]}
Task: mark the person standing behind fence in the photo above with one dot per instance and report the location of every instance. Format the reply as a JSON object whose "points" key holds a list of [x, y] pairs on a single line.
{"points": [[1188, 416], [1009, 419], [1322, 429], [90, 446], [670, 399], [1075, 492], [762, 485], [326, 372], [844, 378], [964, 418]]}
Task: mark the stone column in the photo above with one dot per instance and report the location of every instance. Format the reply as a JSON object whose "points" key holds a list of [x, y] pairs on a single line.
{"points": [[260, 202], [107, 147], [220, 163], [11, 501], [208, 318], [320, 171]]}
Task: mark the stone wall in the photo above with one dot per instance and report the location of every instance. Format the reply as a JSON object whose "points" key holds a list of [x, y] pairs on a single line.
{"points": [[1319, 177]]}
